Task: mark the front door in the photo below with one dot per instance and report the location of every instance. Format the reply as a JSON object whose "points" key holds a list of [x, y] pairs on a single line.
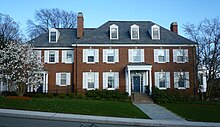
{"points": [[136, 83]]}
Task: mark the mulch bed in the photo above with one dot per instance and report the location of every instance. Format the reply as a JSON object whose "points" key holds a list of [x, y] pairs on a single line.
{"points": [[19, 97]]}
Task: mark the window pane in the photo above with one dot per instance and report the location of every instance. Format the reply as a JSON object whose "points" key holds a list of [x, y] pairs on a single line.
{"points": [[91, 59], [114, 33], [110, 58], [91, 80], [135, 33], [180, 58], [69, 55], [155, 33], [63, 79], [182, 80], [136, 55], [162, 80], [91, 55], [111, 81], [52, 36], [51, 56]]}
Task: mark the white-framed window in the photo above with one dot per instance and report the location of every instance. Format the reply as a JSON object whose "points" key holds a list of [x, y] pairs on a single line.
{"points": [[51, 56], [53, 35], [161, 55], [155, 32], [136, 55], [114, 32], [162, 80], [134, 32], [63, 79], [110, 80], [181, 80], [90, 80], [90, 55], [110, 55], [67, 56], [180, 55]]}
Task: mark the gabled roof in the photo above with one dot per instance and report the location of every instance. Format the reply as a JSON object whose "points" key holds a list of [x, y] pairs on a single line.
{"points": [[66, 38], [101, 34]]}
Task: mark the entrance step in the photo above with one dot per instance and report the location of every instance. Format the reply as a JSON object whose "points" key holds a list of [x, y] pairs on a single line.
{"points": [[140, 98]]}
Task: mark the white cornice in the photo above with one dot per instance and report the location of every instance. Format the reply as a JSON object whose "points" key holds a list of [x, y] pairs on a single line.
{"points": [[132, 45], [53, 48]]}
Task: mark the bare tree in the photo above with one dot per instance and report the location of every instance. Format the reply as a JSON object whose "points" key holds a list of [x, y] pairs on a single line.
{"points": [[50, 18], [207, 35], [9, 30]]}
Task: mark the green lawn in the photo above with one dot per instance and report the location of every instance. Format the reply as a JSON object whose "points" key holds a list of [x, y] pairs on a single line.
{"points": [[196, 112], [88, 107]]}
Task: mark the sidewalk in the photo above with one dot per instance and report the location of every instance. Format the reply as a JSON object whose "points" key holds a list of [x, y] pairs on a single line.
{"points": [[101, 119], [157, 112]]}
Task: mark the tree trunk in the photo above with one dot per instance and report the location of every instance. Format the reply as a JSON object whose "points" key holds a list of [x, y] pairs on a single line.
{"points": [[21, 89]]}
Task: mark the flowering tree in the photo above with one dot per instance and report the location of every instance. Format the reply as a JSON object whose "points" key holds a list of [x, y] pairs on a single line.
{"points": [[20, 66]]}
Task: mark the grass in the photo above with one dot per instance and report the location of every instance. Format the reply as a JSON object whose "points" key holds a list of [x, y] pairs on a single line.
{"points": [[196, 112], [86, 107]]}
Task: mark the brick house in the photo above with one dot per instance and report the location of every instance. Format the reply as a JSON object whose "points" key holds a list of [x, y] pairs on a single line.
{"points": [[132, 56]]}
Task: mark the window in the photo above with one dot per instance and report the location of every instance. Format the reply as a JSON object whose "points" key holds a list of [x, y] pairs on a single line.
{"points": [[161, 55], [51, 56], [162, 80], [113, 31], [90, 55], [155, 32], [90, 80], [180, 55], [67, 56], [134, 32], [110, 80], [53, 36], [136, 55], [63, 79], [181, 80], [110, 55], [38, 53]]}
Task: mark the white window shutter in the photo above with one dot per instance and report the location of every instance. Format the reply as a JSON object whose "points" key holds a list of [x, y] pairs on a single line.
{"points": [[176, 79], [96, 55], [38, 53], [85, 81], [155, 55], [105, 55], [167, 79], [68, 78], [116, 55], [105, 80], [56, 56], [156, 74], [46, 56], [116, 77], [187, 79], [96, 80], [174, 55], [142, 55], [63, 56], [85, 58], [186, 58], [167, 55], [130, 55], [58, 82]]}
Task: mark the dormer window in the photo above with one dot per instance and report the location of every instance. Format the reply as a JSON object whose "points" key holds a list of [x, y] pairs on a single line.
{"points": [[155, 32], [134, 32], [113, 31], [53, 35]]}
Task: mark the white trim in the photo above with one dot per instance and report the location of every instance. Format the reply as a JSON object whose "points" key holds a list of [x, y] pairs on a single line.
{"points": [[131, 32], [52, 48], [135, 45], [113, 26]]}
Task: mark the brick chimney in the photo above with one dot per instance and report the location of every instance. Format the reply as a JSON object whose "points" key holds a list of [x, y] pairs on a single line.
{"points": [[174, 27], [80, 25]]}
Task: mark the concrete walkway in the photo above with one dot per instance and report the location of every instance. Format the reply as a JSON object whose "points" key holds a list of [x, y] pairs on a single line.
{"points": [[101, 119], [157, 112]]}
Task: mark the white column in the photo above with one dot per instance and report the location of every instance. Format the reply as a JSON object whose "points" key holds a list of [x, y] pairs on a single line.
{"points": [[204, 83], [1, 86], [46, 83], [146, 76], [129, 82], [150, 84]]}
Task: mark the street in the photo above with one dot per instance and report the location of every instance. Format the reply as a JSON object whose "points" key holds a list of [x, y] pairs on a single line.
{"points": [[26, 122]]}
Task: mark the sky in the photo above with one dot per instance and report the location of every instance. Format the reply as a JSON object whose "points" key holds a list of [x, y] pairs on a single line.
{"points": [[97, 12]]}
